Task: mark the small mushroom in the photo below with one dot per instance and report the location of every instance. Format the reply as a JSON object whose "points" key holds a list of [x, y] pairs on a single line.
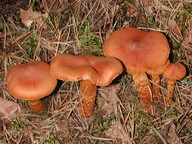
{"points": [[175, 71], [90, 70], [140, 52], [31, 82]]}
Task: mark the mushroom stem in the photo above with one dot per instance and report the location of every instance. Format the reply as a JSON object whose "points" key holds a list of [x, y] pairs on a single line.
{"points": [[87, 95], [144, 89], [156, 80], [170, 88], [174, 71], [37, 106]]}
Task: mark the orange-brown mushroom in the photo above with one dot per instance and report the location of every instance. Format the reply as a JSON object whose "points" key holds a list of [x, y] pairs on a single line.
{"points": [[31, 82], [90, 70], [175, 71], [140, 52]]}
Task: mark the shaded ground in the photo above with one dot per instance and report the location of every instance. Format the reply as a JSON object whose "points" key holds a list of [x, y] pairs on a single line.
{"points": [[80, 27]]}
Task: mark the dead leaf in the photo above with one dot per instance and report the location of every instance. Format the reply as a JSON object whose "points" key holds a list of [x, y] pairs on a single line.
{"points": [[112, 93], [29, 16], [174, 27], [8, 108], [148, 140], [109, 100], [116, 131], [187, 36], [172, 136], [105, 107]]}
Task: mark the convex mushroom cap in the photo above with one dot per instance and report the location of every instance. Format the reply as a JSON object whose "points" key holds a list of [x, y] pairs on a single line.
{"points": [[30, 81], [175, 71], [139, 51], [99, 70]]}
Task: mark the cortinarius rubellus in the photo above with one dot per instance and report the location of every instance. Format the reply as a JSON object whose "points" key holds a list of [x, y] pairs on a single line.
{"points": [[141, 52], [31, 82], [90, 70]]}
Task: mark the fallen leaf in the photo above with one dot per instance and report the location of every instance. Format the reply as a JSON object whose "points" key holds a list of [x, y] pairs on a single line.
{"points": [[109, 100], [187, 36], [116, 131], [112, 93], [105, 107], [172, 136], [8, 108], [29, 16], [148, 140], [174, 27]]}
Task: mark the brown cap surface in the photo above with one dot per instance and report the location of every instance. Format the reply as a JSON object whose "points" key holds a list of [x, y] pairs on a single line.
{"points": [[30, 81], [139, 51], [175, 71], [99, 70]]}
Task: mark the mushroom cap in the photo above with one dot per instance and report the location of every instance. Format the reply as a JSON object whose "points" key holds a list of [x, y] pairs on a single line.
{"points": [[138, 50], [99, 70], [175, 71], [159, 70], [30, 81]]}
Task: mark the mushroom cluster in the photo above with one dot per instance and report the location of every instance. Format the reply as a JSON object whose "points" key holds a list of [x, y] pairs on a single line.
{"points": [[142, 53], [33, 81]]}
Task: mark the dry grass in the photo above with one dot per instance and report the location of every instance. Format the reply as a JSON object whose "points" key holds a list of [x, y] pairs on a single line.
{"points": [[81, 26]]}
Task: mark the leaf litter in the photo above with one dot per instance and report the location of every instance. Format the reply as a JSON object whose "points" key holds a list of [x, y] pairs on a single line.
{"points": [[29, 16], [8, 108]]}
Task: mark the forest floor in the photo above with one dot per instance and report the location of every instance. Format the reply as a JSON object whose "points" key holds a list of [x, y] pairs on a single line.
{"points": [[81, 27]]}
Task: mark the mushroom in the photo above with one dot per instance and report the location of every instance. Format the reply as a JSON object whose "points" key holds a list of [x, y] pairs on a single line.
{"points": [[175, 71], [31, 82], [140, 52], [90, 70]]}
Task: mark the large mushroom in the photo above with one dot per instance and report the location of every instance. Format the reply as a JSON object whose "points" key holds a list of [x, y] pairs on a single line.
{"points": [[140, 52], [175, 71], [90, 70], [31, 82]]}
